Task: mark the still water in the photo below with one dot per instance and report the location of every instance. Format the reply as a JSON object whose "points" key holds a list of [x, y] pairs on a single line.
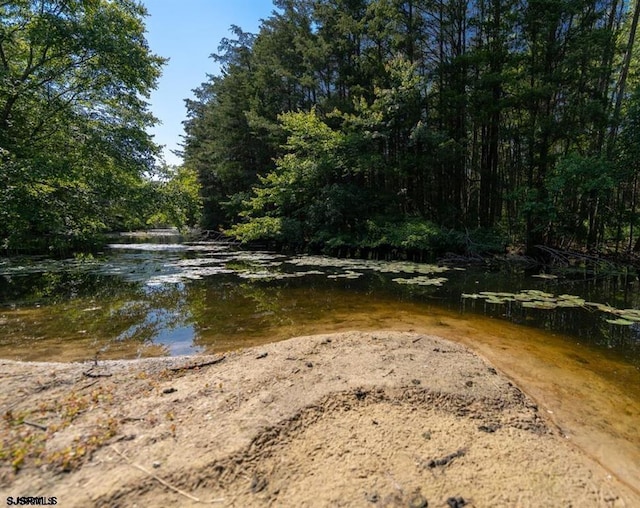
{"points": [[160, 297], [571, 338]]}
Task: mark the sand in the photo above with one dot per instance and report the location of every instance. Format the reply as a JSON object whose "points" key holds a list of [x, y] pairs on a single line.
{"points": [[349, 419]]}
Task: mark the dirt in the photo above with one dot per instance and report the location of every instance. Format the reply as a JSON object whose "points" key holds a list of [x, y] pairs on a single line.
{"points": [[350, 419]]}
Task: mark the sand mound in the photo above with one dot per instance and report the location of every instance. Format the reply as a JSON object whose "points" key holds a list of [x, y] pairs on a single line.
{"points": [[351, 419]]}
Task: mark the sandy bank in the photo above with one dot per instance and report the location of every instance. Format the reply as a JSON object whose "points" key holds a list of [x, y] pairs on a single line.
{"points": [[349, 419]]}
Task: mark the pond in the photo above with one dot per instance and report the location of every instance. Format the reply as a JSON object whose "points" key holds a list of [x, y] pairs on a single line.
{"points": [[156, 296], [571, 337]]}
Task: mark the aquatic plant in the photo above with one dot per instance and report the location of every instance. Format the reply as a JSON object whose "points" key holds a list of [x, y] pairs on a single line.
{"points": [[421, 281], [349, 274], [536, 299]]}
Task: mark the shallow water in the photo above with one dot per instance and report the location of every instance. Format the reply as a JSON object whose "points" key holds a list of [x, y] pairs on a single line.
{"points": [[158, 298], [149, 299]]}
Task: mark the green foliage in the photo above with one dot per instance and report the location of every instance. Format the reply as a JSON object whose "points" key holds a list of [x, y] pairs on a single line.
{"points": [[577, 187], [411, 234], [486, 241], [267, 228], [227, 142], [309, 187], [73, 119], [176, 199], [362, 122]]}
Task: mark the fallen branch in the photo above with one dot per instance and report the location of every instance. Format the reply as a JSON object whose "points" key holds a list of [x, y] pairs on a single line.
{"points": [[36, 425], [91, 374], [197, 365], [163, 482], [444, 461], [565, 256], [88, 385]]}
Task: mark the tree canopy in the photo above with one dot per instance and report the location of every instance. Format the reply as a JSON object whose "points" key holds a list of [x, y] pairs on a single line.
{"points": [[75, 76], [343, 122]]}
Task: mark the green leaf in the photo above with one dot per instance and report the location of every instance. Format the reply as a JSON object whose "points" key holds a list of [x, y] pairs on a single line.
{"points": [[620, 321]]}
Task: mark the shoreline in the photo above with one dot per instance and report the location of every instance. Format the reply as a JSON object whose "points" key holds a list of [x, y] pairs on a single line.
{"points": [[377, 418]]}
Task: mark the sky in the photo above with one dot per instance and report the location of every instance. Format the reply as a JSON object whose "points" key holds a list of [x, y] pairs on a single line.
{"points": [[187, 32]]}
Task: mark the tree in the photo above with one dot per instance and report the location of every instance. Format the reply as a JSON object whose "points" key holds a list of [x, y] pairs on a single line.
{"points": [[73, 117], [491, 114], [298, 201], [174, 199], [228, 139]]}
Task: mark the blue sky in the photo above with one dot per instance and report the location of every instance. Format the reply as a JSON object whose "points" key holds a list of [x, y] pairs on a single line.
{"points": [[188, 32]]}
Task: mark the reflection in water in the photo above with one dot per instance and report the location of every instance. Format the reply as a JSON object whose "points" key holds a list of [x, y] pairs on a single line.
{"points": [[162, 320], [147, 299], [152, 299]]}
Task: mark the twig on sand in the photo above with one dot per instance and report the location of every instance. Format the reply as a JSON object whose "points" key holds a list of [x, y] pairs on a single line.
{"points": [[163, 482], [445, 461], [89, 385], [88, 373], [36, 425], [197, 365]]}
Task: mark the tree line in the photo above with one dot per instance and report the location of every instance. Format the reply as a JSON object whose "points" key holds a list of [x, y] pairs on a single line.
{"points": [[424, 125], [76, 158]]}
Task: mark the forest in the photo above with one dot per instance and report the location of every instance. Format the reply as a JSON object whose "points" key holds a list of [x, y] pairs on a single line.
{"points": [[76, 159], [362, 126], [350, 127]]}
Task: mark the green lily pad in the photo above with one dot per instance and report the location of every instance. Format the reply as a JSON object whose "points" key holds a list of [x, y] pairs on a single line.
{"points": [[492, 294], [570, 301], [495, 300], [349, 274], [620, 321], [536, 293], [568, 304], [531, 298], [422, 281], [537, 299], [540, 305], [629, 314], [602, 307]]}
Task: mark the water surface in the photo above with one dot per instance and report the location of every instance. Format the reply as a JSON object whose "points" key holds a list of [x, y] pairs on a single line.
{"points": [[168, 298]]}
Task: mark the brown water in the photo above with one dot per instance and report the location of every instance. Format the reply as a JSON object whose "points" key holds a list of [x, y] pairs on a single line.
{"points": [[151, 301]]}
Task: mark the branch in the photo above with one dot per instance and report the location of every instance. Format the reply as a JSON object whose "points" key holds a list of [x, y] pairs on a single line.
{"points": [[91, 374], [3, 58], [198, 365], [34, 424], [38, 128]]}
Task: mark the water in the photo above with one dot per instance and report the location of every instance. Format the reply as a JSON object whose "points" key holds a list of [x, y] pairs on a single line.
{"points": [[168, 298], [156, 296]]}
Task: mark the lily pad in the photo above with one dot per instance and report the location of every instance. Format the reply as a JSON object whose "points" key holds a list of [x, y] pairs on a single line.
{"points": [[537, 293], [422, 281], [546, 276], [349, 274], [376, 266], [629, 314], [523, 297], [530, 298], [620, 321], [570, 301], [495, 300], [602, 307], [540, 305]]}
